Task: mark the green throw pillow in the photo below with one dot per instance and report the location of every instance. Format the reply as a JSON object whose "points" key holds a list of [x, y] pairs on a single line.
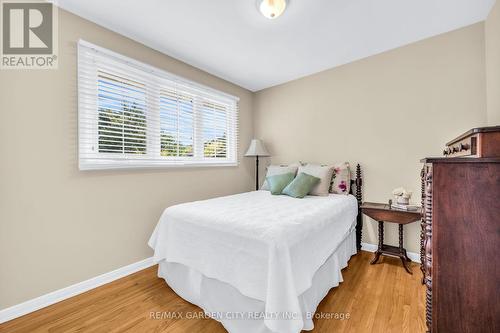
{"points": [[278, 182], [301, 185]]}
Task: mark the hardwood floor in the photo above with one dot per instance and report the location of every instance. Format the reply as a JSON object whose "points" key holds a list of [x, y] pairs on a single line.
{"points": [[376, 298]]}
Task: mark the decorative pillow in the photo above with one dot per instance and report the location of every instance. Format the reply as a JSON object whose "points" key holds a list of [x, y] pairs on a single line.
{"points": [[274, 170], [323, 172], [279, 182], [341, 180], [301, 185]]}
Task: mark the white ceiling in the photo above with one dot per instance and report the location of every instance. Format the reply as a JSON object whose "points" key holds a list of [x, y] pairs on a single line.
{"points": [[232, 40]]}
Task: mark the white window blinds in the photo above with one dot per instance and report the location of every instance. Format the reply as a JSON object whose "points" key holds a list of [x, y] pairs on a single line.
{"points": [[135, 115]]}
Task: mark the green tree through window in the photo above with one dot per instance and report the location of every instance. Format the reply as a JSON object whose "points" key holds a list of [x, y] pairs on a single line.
{"points": [[122, 118]]}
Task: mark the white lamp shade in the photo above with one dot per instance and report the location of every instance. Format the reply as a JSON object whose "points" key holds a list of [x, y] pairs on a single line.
{"points": [[257, 148]]}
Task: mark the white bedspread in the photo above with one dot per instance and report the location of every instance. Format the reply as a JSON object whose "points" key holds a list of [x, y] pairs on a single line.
{"points": [[268, 247]]}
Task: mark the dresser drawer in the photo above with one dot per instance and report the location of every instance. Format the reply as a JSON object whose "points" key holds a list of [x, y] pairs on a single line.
{"points": [[478, 142], [464, 147]]}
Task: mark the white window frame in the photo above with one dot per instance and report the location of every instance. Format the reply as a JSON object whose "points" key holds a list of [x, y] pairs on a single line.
{"points": [[90, 57]]}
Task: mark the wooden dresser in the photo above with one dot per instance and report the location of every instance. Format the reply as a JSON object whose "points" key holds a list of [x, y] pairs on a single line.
{"points": [[460, 240]]}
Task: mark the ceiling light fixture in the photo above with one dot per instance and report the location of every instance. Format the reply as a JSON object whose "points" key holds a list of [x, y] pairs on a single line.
{"points": [[272, 8]]}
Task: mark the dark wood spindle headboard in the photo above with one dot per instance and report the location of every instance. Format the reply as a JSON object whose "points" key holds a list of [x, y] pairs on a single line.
{"points": [[357, 183]]}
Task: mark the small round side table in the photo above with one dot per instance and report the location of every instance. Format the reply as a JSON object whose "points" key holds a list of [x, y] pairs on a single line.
{"points": [[384, 213]]}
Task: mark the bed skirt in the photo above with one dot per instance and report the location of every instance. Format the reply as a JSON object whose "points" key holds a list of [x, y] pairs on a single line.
{"points": [[242, 314]]}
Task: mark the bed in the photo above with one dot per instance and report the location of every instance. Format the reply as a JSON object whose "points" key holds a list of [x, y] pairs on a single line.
{"points": [[258, 262]]}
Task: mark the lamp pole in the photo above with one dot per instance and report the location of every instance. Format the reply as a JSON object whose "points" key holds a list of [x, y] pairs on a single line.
{"points": [[256, 150], [257, 172]]}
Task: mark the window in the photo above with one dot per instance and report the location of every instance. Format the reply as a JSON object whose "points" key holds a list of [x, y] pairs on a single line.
{"points": [[134, 115], [176, 124], [121, 115]]}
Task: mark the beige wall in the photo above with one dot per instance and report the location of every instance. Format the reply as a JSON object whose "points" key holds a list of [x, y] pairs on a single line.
{"points": [[492, 33], [385, 112], [58, 225]]}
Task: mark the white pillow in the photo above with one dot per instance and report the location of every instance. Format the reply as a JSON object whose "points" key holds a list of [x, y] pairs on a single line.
{"points": [[323, 172], [274, 170]]}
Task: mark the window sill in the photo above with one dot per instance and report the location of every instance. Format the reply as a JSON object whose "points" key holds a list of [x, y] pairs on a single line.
{"points": [[99, 164]]}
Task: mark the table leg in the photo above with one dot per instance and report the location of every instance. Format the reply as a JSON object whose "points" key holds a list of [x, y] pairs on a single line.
{"points": [[401, 249], [380, 242], [405, 265], [402, 252]]}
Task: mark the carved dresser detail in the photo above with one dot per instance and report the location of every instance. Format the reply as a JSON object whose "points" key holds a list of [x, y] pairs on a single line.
{"points": [[460, 240]]}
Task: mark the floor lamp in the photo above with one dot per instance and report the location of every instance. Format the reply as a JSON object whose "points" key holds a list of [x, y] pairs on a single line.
{"points": [[257, 149]]}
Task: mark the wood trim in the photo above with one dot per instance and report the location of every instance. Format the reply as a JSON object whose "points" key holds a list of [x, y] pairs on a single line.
{"points": [[460, 160]]}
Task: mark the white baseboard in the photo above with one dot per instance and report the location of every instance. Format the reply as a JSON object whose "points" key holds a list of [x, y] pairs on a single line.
{"points": [[415, 257], [73, 290]]}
